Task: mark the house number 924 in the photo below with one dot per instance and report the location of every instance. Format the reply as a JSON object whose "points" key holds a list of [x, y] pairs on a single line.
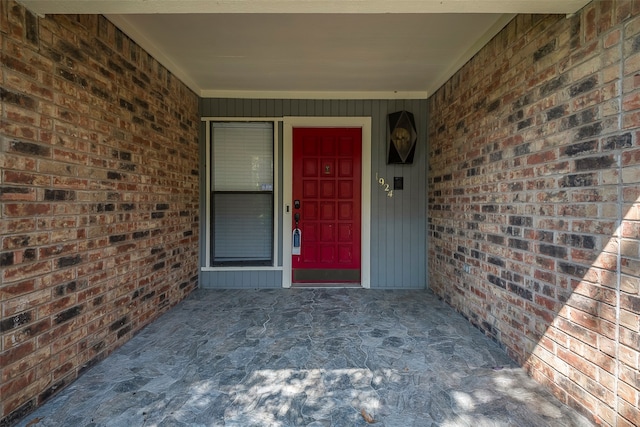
{"points": [[383, 184]]}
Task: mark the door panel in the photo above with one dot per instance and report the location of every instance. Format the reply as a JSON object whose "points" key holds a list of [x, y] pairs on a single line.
{"points": [[346, 168], [326, 189], [327, 180], [310, 189], [345, 190]]}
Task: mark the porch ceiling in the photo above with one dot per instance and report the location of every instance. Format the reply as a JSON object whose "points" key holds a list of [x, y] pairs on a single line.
{"points": [[312, 48]]}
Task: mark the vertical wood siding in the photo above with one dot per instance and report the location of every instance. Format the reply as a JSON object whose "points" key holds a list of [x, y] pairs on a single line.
{"points": [[398, 224]]}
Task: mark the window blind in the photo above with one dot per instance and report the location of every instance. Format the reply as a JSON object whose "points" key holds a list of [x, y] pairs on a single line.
{"points": [[243, 227], [242, 156]]}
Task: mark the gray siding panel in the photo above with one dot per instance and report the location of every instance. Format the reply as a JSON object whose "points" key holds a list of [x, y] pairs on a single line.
{"points": [[251, 279], [398, 224], [203, 178]]}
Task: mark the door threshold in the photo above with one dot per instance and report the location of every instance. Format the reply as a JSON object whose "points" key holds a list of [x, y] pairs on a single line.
{"points": [[327, 285]]}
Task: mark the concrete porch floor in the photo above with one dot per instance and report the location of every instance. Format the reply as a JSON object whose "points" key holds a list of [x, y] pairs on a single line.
{"points": [[307, 357]]}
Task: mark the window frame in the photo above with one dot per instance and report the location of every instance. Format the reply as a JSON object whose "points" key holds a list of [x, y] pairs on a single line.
{"points": [[207, 264]]}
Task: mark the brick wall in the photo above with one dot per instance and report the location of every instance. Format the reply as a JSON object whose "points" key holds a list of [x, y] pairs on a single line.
{"points": [[99, 198], [534, 201]]}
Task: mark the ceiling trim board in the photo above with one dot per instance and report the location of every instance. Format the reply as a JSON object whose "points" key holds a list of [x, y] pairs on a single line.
{"points": [[240, 94], [297, 6]]}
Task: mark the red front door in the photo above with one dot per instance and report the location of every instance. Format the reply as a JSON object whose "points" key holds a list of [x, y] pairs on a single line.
{"points": [[326, 193]]}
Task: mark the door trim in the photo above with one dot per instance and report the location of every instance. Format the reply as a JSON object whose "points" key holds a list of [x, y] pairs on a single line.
{"points": [[364, 123]]}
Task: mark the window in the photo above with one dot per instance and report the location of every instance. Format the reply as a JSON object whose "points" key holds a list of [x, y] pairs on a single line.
{"points": [[242, 193]]}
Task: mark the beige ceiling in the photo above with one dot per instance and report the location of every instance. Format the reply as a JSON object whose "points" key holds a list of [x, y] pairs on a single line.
{"points": [[310, 48]]}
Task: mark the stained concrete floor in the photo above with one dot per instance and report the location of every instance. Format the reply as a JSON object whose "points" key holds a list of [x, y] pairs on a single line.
{"points": [[307, 357]]}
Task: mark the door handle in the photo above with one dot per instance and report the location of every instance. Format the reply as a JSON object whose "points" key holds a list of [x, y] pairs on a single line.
{"points": [[297, 218]]}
